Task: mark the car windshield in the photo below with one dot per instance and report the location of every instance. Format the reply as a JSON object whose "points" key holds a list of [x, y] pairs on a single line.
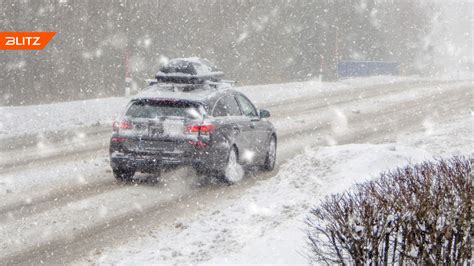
{"points": [[154, 109]]}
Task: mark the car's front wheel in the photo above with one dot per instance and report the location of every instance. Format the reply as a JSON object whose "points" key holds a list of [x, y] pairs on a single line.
{"points": [[270, 159], [123, 175]]}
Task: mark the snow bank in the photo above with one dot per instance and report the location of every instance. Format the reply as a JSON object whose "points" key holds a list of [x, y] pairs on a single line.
{"points": [[22, 120]]}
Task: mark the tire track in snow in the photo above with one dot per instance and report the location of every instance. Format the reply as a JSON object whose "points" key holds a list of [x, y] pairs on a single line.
{"points": [[412, 113], [282, 110], [187, 205], [93, 140], [34, 204]]}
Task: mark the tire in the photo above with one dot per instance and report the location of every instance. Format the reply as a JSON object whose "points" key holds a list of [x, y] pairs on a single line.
{"points": [[233, 171], [154, 177], [153, 180], [201, 170], [123, 175], [270, 158]]}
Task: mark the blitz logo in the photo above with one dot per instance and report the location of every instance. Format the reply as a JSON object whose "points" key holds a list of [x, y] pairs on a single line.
{"points": [[25, 40], [20, 41]]}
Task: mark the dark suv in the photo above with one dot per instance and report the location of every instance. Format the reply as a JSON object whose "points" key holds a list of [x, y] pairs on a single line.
{"points": [[205, 124]]}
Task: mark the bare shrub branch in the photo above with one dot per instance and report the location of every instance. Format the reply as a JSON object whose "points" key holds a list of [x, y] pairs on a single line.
{"points": [[419, 214]]}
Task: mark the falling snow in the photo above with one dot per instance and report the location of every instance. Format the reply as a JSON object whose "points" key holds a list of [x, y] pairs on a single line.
{"points": [[353, 88]]}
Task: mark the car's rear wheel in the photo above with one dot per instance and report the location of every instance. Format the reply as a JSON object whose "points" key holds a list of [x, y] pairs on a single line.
{"points": [[271, 155], [154, 177], [233, 171], [123, 175]]}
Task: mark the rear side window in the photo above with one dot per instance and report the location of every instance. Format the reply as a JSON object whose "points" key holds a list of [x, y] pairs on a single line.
{"points": [[247, 107], [226, 106], [153, 109]]}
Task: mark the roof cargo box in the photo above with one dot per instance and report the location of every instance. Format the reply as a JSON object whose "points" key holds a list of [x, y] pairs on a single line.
{"points": [[188, 70]]}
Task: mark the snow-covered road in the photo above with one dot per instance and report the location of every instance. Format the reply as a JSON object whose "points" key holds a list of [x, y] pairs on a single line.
{"points": [[67, 207]]}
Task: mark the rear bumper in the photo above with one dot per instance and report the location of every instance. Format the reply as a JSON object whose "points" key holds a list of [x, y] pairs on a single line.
{"points": [[144, 162], [151, 162], [124, 155]]}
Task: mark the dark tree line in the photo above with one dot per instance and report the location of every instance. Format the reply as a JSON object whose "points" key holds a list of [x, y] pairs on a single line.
{"points": [[252, 41]]}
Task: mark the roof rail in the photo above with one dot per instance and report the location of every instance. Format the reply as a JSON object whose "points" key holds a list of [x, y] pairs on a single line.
{"points": [[190, 86]]}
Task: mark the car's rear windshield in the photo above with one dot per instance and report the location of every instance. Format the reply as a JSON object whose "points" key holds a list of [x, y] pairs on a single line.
{"points": [[163, 108]]}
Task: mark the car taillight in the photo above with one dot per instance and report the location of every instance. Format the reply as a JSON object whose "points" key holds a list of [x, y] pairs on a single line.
{"points": [[119, 140], [122, 125], [200, 129]]}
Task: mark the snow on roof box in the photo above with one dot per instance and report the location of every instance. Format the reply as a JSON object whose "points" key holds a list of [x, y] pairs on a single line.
{"points": [[188, 70]]}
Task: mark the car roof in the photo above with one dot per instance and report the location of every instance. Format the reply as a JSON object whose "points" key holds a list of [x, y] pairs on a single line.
{"points": [[168, 91]]}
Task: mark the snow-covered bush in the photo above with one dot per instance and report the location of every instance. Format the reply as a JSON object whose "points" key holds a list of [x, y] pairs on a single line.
{"points": [[420, 214]]}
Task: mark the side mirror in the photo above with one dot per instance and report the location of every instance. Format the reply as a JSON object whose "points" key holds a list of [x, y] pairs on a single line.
{"points": [[264, 113]]}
